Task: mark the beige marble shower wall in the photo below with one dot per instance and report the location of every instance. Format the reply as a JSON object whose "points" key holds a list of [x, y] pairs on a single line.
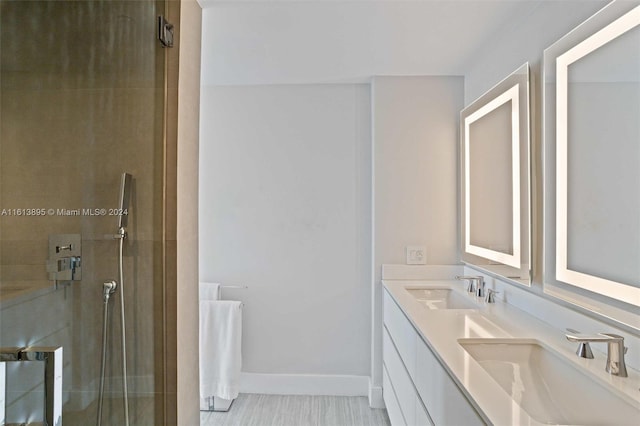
{"points": [[82, 101]]}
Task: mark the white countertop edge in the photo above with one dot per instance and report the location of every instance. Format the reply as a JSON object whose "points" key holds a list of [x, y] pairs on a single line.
{"points": [[487, 397]]}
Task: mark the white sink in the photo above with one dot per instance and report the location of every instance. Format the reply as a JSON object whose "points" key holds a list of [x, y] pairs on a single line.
{"points": [[548, 387], [441, 298]]}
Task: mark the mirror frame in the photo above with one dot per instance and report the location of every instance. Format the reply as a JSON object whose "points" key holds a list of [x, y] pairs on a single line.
{"points": [[510, 95], [516, 266], [604, 297]]}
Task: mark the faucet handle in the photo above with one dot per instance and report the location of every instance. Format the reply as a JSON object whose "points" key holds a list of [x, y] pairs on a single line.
{"points": [[491, 295]]}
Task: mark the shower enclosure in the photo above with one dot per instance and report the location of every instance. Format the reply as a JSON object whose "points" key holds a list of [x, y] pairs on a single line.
{"points": [[82, 100]]}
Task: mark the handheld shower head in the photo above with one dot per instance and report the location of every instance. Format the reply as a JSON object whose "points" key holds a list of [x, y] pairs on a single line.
{"points": [[125, 196]]}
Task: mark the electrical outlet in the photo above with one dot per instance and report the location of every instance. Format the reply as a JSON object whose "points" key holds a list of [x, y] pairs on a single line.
{"points": [[416, 255]]}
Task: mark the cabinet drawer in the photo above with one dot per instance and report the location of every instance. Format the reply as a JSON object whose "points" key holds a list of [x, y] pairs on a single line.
{"points": [[400, 380], [391, 401], [442, 397], [422, 417], [402, 333]]}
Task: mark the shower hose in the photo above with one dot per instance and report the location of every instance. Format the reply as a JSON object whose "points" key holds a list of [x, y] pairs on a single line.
{"points": [[109, 288]]}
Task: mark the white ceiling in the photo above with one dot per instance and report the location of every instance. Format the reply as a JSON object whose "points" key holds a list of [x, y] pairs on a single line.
{"points": [[288, 42]]}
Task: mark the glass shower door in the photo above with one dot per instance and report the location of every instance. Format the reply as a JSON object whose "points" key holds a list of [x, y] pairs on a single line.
{"points": [[82, 102]]}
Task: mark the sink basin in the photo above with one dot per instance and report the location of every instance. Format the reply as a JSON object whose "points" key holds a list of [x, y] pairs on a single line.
{"points": [[548, 387], [441, 298]]}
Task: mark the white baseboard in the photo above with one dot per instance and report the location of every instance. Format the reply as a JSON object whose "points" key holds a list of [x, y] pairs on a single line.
{"points": [[304, 384], [375, 396]]}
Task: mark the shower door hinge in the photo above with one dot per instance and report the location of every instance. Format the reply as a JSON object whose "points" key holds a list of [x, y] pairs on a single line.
{"points": [[165, 32]]}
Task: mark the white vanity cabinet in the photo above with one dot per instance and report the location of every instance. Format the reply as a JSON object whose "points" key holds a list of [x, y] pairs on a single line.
{"points": [[416, 388]]}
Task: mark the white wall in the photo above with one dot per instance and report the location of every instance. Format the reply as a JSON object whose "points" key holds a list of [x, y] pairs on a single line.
{"points": [[285, 209], [524, 42], [302, 42], [415, 146]]}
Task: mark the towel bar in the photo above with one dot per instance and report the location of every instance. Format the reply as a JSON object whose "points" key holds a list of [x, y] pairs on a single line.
{"points": [[229, 286]]}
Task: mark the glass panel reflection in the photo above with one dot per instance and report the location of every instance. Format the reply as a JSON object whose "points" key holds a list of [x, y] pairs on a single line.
{"points": [[81, 102]]}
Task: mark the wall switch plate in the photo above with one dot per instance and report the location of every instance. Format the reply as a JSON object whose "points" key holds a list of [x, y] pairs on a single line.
{"points": [[416, 255]]}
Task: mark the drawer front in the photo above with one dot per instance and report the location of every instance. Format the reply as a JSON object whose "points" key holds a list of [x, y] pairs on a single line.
{"points": [[441, 396], [402, 333], [391, 401], [422, 417], [400, 380]]}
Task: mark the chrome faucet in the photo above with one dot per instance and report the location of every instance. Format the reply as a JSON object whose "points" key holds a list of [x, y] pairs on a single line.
{"points": [[491, 295], [615, 350], [472, 284]]}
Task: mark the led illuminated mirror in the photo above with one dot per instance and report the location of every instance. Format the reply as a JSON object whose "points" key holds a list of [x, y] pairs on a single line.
{"points": [[592, 164], [495, 183]]}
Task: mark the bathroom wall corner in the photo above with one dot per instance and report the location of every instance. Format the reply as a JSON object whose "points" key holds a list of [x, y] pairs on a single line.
{"points": [[181, 387], [415, 150]]}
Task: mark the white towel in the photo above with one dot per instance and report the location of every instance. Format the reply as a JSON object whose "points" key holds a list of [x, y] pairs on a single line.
{"points": [[220, 350], [209, 291]]}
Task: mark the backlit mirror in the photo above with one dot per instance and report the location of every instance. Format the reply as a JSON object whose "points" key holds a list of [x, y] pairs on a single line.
{"points": [[495, 182], [592, 164]]}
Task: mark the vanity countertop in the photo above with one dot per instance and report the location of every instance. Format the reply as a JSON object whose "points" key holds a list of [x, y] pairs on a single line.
{"points": [[441, 328]]}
